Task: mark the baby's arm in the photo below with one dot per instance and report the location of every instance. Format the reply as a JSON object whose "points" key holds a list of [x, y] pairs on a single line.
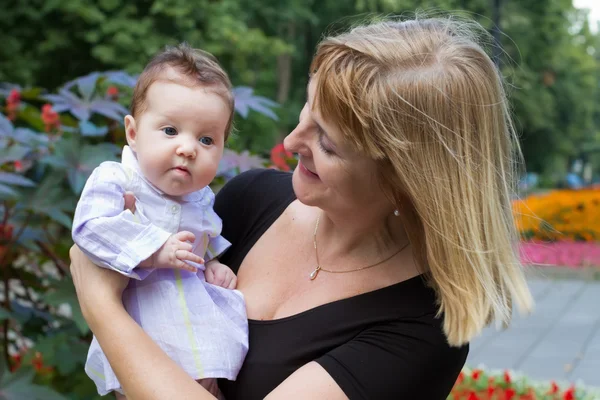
{"points": [[110, 236]]}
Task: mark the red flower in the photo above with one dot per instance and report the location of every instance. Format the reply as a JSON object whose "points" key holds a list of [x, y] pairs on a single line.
{"points": [[472, 396], [6, 232], [50, 117], [507, 377], [461, 378], [509, 394], [554, 388], [490, 390], [112, 91], [18, 166], [569, 394], [279, 157], [16, 362], [476, 374], [12, 104]]}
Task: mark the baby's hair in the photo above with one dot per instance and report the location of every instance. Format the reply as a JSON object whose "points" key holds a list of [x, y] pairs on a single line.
{"points": [[197, 68]]}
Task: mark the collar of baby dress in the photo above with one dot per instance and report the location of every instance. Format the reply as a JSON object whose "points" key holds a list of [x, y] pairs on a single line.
{"points": [[129, 159]]}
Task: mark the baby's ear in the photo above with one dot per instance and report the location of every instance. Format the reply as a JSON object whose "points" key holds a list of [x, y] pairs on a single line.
{"points": [[130, 131]]}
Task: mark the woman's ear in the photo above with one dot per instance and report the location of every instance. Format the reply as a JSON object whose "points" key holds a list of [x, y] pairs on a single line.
{"points": [[130, 131]]}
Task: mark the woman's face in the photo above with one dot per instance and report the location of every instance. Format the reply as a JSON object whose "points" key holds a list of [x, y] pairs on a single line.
{"points": [[330, 174]]}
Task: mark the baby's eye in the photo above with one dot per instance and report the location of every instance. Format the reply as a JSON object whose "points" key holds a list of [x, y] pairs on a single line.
{"points": [[206, 140], [170, 131]]}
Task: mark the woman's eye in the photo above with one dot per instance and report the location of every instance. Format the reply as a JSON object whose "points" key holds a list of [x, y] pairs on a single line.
{"points": [[206, 140], [170, 131]]}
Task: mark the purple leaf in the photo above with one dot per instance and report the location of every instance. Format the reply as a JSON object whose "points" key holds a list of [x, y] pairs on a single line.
{"points": [[81, 113], [121, 78], [6, 191], [15, 179], [245, 100], [89, 129], [87, 85], [109, 109], [6, 127], [15, 152]]}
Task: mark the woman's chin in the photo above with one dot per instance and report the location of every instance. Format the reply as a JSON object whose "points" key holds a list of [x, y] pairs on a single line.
{"points": [[306, 191]]}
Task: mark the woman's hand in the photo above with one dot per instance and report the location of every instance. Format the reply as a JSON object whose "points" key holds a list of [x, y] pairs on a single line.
{"points": [[97, 288]]}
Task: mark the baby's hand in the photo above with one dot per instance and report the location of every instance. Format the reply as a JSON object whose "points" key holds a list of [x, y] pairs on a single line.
{"points": [[220, 275], [174, 253]]}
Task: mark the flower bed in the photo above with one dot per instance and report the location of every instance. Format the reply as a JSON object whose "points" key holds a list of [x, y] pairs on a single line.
{"points": [[560, 228], [476, 384], [560, 215]]}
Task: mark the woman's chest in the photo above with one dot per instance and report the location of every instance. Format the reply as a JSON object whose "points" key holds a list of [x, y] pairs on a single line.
{"points": [[274, 276]]}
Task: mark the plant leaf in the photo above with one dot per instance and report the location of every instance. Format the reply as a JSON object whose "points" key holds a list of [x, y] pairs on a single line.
{"points": [[7, 193], [15, 179], [6, 126], [4, 314], [89, 129], [64, 292], [87, 85]]}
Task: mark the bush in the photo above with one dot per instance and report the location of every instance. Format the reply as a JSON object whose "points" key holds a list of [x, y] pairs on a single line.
{"points": [[49, 144]]}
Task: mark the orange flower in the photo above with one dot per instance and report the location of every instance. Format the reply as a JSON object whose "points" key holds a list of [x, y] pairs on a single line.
{"points": [[50, 117]]}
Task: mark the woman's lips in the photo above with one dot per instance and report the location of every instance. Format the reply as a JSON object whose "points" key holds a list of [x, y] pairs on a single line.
{"points": [[306, 171]]}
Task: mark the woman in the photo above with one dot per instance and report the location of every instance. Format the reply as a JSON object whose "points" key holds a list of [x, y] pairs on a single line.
{"points": [[366, 272]]}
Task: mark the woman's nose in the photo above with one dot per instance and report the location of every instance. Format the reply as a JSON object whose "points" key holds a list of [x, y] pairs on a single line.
{"points": [[297, 141]]}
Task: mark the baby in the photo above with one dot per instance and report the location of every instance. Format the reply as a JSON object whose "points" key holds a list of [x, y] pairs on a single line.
{"points": [[181, 115]]}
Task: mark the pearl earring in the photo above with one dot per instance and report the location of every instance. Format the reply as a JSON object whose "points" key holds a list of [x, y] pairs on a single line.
{"points": [[396, 213]]}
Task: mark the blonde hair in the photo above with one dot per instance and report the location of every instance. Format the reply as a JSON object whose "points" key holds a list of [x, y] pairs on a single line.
{"points": [[424, 100]]}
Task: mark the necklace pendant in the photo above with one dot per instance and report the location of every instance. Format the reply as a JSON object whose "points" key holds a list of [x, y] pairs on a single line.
{"points": [[313, 275]]}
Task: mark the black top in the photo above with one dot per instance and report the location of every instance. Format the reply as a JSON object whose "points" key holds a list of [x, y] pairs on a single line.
{"points": [[384, 344]]}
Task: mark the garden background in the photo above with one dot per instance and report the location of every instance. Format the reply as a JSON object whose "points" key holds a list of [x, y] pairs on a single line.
{"points": [[67, 68]]}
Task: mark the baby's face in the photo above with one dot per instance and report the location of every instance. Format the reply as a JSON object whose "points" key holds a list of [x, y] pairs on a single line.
{"points": [[179, 138]]}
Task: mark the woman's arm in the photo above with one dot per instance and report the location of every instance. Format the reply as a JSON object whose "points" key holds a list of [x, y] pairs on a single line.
{"points": [[309, 382], [144, 370]]}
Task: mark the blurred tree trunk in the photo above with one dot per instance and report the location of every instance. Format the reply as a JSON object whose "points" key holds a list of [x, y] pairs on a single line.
{"points": [[284, 71]]}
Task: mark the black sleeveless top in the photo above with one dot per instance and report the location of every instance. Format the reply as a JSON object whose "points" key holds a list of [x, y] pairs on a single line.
{"points": [[384, 344]]}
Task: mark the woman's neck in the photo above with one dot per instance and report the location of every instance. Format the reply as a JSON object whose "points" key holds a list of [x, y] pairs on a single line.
{"points": [[366, 237]]}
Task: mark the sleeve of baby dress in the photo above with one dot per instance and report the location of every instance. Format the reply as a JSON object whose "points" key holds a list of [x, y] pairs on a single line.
{"points": [[110, 236]]}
